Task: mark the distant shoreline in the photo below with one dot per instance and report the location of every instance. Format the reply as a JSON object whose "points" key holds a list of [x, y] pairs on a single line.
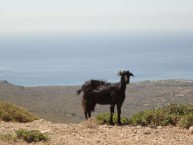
{"points": [[76, 85]]}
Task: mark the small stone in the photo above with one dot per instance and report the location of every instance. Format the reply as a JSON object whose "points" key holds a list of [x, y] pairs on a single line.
{"points": [[45, 131], [191, 130], [138, 126], [159, 127], [147, 132], [97, 141]]}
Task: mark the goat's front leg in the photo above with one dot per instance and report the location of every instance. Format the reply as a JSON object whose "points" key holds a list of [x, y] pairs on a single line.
{"points": [[112, 112], [89, 113], [119, 114]]}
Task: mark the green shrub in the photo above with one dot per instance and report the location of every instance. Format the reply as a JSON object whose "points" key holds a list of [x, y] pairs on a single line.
{"points": [[104, 119], [9, 112], [177, 115], [143, 118], [178, 109], [8, 137], [186, 121], [31, 136]]}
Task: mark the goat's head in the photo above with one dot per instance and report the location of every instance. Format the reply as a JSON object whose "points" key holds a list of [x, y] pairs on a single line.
{"points": [[125, 75]]}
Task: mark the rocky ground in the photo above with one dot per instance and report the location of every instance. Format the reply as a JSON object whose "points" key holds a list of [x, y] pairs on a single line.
{"points": [[88, 133]]}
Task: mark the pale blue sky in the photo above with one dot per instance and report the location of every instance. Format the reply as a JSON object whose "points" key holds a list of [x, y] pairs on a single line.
{"points": [[74, 16]]}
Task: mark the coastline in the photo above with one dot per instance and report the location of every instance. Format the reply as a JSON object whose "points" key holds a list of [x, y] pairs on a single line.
{"points": [[79, 84]]}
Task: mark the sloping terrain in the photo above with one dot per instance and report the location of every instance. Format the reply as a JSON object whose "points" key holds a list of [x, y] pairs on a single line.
{"points": [[61, 104]]}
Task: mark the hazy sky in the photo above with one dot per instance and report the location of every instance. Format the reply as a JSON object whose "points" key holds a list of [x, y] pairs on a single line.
{"points": [[58, 16]]}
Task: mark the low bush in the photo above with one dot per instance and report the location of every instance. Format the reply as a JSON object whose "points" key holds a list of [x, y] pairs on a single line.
{"points": [[10, 112], [31, 136], [8, 137], [186, 121], [104, 119], [177, 115]]}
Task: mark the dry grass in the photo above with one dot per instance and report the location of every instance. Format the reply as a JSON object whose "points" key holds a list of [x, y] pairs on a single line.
{"points": [[90, 123], [10, 112]]}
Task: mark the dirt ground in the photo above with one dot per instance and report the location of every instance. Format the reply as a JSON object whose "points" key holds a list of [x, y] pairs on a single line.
{"points": [[89, 133]]}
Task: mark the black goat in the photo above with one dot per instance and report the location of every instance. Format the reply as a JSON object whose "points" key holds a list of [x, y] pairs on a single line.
{"points": [[87, 87], [113, 94]]}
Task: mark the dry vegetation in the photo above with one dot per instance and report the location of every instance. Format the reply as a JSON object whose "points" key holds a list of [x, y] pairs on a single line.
{"points": [[12, 113]]}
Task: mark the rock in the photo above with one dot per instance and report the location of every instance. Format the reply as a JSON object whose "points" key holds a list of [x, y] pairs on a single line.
{"points": [[138, 127], [159, 127], [147, 132], [97, 141], [191, 130], [45, 131]]}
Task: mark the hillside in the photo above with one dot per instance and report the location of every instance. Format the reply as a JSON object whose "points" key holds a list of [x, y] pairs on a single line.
{"points": [[61, 104], [88, 133], [10, 112]]}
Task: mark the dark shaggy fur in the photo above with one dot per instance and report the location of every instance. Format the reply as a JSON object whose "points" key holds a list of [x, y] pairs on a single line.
{"points": [[105, 93], [91, 85]]}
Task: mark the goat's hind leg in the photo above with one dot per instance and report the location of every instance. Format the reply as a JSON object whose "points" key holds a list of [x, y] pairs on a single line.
{"points": [[87, 108], [85, 114], [89, 113], [112, 113]]}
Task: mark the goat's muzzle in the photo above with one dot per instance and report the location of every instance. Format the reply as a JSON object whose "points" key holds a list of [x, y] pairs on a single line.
{"points": [[132, 75]]}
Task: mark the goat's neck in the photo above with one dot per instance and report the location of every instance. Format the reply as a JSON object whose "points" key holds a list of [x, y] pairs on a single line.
{"points": [[123, 84]]}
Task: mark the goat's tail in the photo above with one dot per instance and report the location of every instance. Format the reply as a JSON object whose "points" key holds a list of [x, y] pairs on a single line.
{"points": [[78, 91]]}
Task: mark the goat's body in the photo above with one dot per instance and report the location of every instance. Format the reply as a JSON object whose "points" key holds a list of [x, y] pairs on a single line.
{"points": [[107, 95], [99, 92], [91, 85], [102, 98]]}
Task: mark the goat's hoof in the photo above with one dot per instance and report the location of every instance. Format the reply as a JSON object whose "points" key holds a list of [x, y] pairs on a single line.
{"points": [[111, 123]]}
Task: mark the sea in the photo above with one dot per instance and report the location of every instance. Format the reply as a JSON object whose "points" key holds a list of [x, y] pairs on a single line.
{"points": [[71, 59]]}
